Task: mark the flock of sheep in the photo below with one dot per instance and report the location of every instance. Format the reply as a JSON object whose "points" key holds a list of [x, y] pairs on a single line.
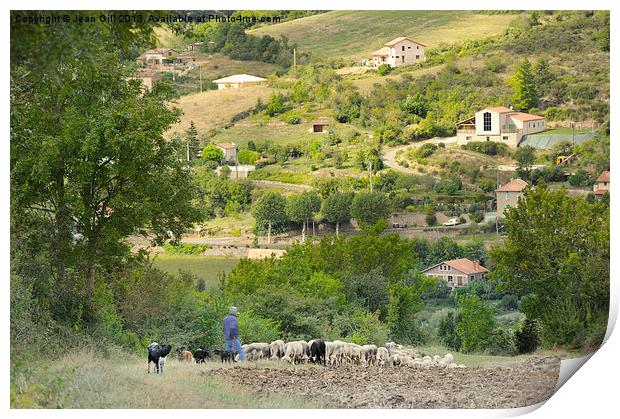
{"points": [[332, 354], [338, 353]]}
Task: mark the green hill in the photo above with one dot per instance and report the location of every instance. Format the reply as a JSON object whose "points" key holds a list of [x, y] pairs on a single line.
{"points": [[355, 34]]}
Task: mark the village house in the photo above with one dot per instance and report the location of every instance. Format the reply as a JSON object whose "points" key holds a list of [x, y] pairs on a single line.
{"points": [[230, 151], [499, 124], [238, 80], [508, 195], [158, 57], [320, 125], [399, 51], [457, 272], [241, 171], [601, 186]]}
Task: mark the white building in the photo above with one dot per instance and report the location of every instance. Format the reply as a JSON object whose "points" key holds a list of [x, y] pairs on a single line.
{"points": [[499, 124], [230, 151], [238, 80], [399, 51]]}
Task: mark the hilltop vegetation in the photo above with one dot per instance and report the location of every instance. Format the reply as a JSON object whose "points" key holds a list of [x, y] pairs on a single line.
{"points": [[356, 34]]}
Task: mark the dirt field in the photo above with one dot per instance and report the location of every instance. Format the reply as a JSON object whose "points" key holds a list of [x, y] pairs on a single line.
{"points": [[518, 385]]}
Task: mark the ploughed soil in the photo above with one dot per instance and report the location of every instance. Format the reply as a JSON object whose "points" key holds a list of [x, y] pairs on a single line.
{"points": [[517, 385]]}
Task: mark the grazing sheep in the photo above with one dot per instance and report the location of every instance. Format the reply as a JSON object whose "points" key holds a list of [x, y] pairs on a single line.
{"points": [[294, 352], [383, 356], [317, 351], [256, 351], [448, 358], [369, 354], [394, 360], [276, 349]]}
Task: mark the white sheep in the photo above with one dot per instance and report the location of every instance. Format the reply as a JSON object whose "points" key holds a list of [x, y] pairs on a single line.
{"points": [[276, 349], [383, 356]]}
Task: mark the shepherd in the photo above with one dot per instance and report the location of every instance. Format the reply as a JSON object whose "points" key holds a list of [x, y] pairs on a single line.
{"points": [[231, 333]]}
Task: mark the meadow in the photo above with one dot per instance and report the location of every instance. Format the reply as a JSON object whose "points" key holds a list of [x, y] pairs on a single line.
{"points": [[205, 267]]}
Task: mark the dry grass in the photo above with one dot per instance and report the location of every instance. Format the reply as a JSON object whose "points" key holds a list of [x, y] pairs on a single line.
{"points": [[89, 381], [215, 107], [355, 34]]}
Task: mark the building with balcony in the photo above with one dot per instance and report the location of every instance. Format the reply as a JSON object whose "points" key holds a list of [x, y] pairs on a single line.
{"points": [[499, 124], [399, 51]]}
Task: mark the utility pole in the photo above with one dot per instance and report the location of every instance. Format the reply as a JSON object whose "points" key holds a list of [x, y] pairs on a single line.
{"points": [[187, 146], [496, 213], [200, 76], [294, 57], [370, 168], [573, 127]]}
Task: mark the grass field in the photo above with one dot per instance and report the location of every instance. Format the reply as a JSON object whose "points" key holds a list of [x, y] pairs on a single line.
{"points": [[205, 267], [356, 34], [281, 133], [215, 107]]}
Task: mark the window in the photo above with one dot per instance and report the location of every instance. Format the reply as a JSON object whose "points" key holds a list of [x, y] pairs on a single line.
{"points": [[417, 47], [408, 47], [417, 57], [450, 279], [397, 56], [468, 138], [403, 48], [505, 138], [487, 121], [459, 280], [488, 138]]}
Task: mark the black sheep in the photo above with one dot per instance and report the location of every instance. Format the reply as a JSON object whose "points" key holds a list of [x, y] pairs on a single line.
{"points": [[317, 351], [157, 355]]}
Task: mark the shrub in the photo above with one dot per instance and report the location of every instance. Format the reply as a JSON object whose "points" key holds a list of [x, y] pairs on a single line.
{"points": [[425, 150], [185, 248], [384, 69], [431, 219], [509, 302], [475, 322], [476, 216], [292, 119], [528, 336], [502, 342], [447, 332]]}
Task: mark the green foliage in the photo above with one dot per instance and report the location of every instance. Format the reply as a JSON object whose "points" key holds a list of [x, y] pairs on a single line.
{"points": [[528, 336], [502, 341], [509, 302], [490, 148], [275, 105], [269, 211], [448, 332], [450, 185], [247, 156], [212, 153], [431, 219], [525, 96], [581, 178], [185, 248], [556, 256], [253, 328], [337, 207], [369, 329], [370, 207], [425, 150], [475, 322], [384, 69], [525, 157], [415, 105]]}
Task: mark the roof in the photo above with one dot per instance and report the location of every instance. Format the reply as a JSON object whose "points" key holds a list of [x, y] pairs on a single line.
{"points": [[601, 191], [516, 185], [400, 39], [321, 121], [524, 117], [382, 51], [239, 78], [464, 265], [226, 146], [604, 176], [499, 109]]}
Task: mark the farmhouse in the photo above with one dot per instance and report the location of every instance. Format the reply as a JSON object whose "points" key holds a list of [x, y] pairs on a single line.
{"points": [[238, 80], [156, 56], [147, 78], [601, 186], [399, 51], [230, 151], [508, 195], [457, 272], [319, 125], [499, 124]]}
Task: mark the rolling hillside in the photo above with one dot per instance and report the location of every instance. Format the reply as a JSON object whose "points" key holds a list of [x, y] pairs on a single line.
{"points": [[355, 34]]}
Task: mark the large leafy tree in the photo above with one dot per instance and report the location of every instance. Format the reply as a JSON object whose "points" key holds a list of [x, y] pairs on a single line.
{"points": [[87, 152], [556, 256], [301, 208], [337, 208], [525, 157], [370, 207], [270, 211]]}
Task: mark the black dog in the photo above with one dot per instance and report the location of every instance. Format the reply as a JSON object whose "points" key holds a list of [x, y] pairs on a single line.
{"points": [[201, 355], [225, 356], [157, 355]]}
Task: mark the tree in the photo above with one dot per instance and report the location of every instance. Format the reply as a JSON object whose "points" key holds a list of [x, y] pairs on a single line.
{"points": [[269, 210], [370, 207], [384, 69], [247, 156], [556, 257], [525, 94], [191, 138], [337, 208], [109, 172], [474, 323], [415, 105], [525, 157], [543, 76], [301, 208], [213, 153], [275, 105]]}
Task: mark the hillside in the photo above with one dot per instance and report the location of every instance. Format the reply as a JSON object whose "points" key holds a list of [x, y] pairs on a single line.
{"points": [[355, 34]]}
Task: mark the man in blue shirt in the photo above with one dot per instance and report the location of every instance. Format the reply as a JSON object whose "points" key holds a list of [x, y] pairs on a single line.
{"points": [[231, 333]]}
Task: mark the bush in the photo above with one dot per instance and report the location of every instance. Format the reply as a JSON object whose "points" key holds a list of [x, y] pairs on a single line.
{"points": [[253, 328], [528, 336], [384, 69], [431, 220], [447, 332], [476, 216], [509, 302], [185, 248], [475, 322], [425, 150], [502, 342]]}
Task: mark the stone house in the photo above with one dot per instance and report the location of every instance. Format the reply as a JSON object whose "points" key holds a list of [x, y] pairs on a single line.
{"points": [[601, 185], [499, 124], [399, 51], [508, 195], [230, 151], [457, 272]]}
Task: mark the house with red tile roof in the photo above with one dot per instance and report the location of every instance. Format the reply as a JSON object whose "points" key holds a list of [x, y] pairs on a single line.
{"points": [[499, 124], [399, 51], [457, 272], [508, 195], [601, 185]]}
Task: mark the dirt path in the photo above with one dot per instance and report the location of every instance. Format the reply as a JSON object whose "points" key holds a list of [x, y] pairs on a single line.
{"points": [[521, 385], [389, 158]]}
